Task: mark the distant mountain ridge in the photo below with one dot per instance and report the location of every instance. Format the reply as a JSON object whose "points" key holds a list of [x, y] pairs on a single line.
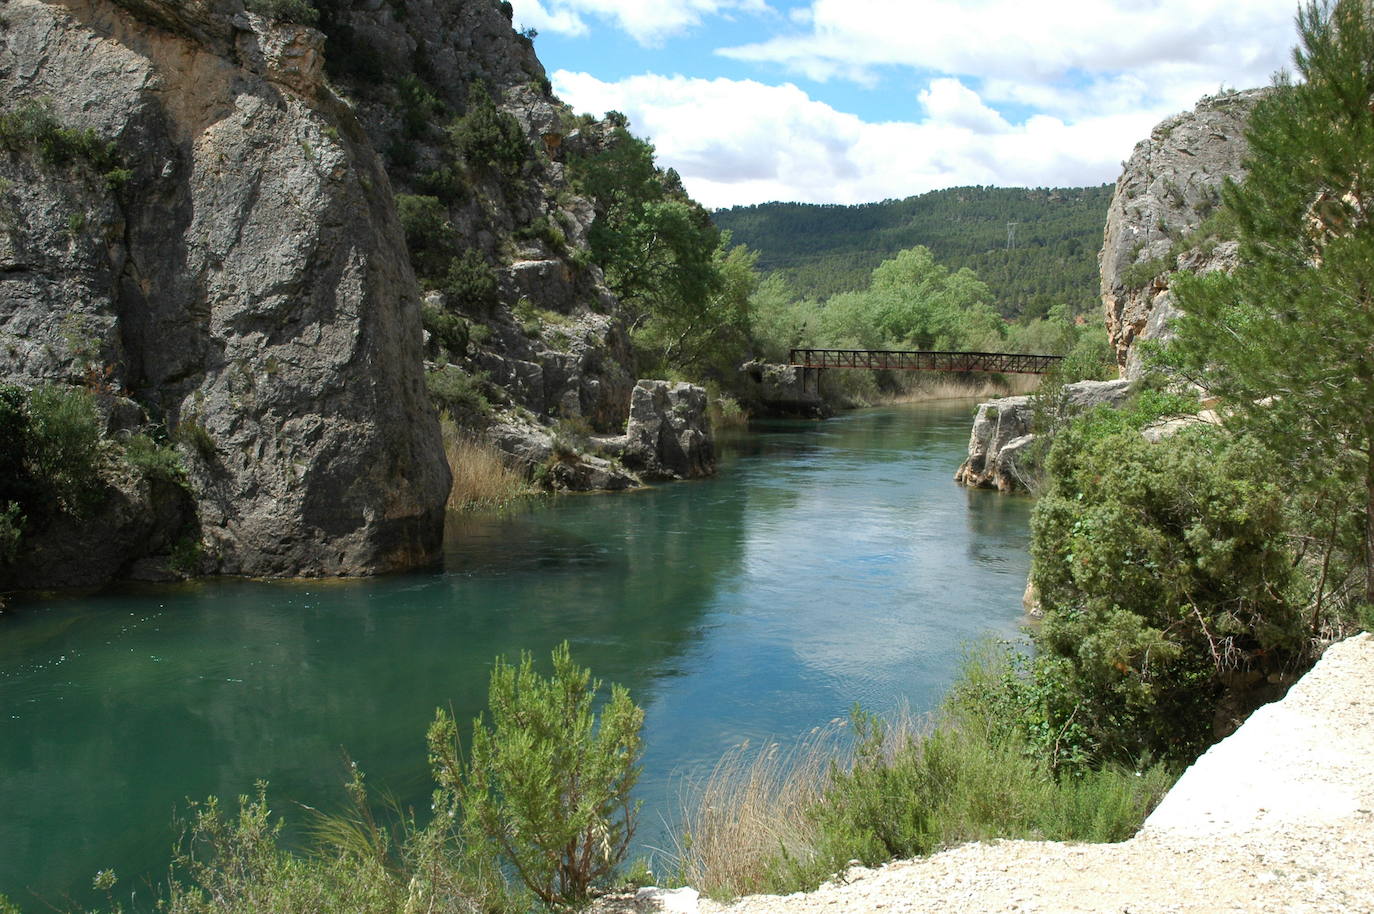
{"points": [[1047, 257]]}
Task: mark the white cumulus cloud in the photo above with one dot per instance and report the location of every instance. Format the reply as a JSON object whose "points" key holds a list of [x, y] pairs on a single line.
{"points": [[742, 141], [646, 21], [1067, 57]]}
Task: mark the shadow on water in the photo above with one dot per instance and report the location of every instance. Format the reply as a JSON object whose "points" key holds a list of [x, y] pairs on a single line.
{"points": [[827, 563]]}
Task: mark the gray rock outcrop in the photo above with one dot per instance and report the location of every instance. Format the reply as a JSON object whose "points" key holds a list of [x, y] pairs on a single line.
{"points": [[245, 280], [781, 391], [669, 433], [1168, 186], [1001, 439]]}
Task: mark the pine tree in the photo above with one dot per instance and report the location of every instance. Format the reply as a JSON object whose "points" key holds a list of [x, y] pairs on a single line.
{"points": [[1286, 340]]}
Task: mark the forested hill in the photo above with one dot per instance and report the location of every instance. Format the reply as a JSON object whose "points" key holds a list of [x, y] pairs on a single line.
{"points": [[825, 248]]}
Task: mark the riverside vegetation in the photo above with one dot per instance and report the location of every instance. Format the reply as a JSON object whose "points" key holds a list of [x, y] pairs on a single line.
{"points": [[1182, 582]]}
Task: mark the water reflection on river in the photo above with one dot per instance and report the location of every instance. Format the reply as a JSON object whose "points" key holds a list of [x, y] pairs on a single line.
{"points": [[827, 564]]}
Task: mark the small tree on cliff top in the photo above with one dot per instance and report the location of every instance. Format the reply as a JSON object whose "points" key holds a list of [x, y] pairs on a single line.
{"points": [[1287, 339]]}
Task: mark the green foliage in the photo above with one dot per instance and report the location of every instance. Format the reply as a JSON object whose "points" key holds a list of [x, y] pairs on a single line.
{"points": [[681, 289], [154, 460], [11, 530], [470, 283], [972, 775], [451, 331], [33, 126], [488, 138], [542, 229], [1283, 340], [548, 784], [302, 12], [234, 864], [460, 393], [545, 796], [419, 106], [429, 235], [912, 302], [63, 446], [1216, 228], [192, 433], [823, 250], [1163, 572]]}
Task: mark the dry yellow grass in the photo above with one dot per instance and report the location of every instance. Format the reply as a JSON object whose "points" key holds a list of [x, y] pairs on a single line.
{"points": [[481, 479], [757, 801], [754, 802], [939, 387]]}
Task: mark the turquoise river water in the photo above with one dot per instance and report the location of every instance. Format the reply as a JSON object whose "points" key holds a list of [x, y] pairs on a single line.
{"points": [[827, 564]]}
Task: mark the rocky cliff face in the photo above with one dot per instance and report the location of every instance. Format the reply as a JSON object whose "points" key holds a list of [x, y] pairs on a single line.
{"points": [[241, 274], [1169, 186], [548, 340], [1000, 444]]}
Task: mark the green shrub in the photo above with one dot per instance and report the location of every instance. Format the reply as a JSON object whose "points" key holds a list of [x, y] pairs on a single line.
{"points": [[460, 393], [450, 330], [11, 529], [154, 460], [912, 786], [63, 446], [302, 12], [470, 283], [1165, 572], [419, 106], [34, 126], [489, 138], [543, 229], [191, 432], [429, 235], [549, 784]]}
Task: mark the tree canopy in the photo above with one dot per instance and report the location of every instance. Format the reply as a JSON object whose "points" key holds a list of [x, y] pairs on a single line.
{"points": [[1286, 340]]}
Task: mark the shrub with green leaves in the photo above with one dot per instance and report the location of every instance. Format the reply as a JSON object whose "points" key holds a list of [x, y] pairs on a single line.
{"points": [[489, 138], [35, 126], [470, 283], [154, 460], [1164, 572], [63, 446], [549, 782], [11, 529], [460, 393], [429, 235]]}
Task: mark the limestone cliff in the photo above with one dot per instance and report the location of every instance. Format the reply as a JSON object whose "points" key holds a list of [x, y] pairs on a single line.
{"points": [[547, 339], [241, 276], [1167, 189]]}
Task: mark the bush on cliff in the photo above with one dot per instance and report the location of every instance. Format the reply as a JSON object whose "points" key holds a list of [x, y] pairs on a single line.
{"points": [[49, 453]]}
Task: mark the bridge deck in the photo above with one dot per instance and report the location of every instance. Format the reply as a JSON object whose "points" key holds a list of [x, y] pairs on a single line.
{"points": [[924, 360]]}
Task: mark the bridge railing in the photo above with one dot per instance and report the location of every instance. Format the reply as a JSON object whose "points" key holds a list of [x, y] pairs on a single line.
{"points": [[925, 360]]}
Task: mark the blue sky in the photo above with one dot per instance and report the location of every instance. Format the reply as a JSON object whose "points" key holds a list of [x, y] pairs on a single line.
{"points": [[848, 101]]}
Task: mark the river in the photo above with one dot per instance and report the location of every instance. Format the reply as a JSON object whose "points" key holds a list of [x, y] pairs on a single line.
{"points": [[827, 564]]}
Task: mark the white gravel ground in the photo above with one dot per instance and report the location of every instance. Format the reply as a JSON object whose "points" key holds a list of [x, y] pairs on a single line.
{"points": [[1279, 817]]}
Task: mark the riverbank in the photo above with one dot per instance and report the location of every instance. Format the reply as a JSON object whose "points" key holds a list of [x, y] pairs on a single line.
{"points": [[1278, 817]]}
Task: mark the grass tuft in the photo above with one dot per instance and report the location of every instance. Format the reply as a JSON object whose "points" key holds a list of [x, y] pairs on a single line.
{"points": [[780, 822], [481, 479]]}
